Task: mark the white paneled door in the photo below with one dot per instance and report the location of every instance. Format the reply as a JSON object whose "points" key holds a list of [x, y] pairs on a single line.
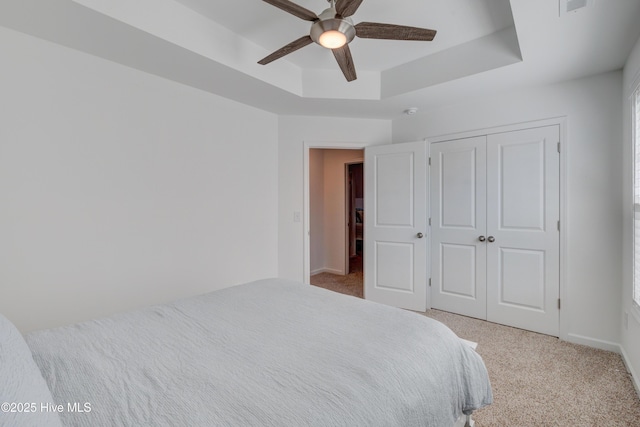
{"points": [[523, 243], [495, 234], [395, 252], [458, 219]]}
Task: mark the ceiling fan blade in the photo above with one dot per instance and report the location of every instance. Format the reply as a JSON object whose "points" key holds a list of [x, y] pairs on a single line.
{"points": [[294, 9], [291, 47], [374, 30], [345, 61], [346, 8]]}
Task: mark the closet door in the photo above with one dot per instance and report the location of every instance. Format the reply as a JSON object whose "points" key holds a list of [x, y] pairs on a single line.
{"points": [[458, 224], [523, 240]]}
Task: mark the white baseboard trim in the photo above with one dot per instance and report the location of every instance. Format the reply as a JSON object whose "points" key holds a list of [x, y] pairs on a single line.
{"points": [[327, 270], [609, 346], [594, 342], [627, 364]]}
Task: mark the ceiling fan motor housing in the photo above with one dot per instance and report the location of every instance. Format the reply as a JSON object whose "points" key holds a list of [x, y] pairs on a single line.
{"points": [[329, 22]]}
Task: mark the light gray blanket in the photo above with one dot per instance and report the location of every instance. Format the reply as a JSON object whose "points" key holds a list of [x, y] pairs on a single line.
{"points": [[267, 353]]}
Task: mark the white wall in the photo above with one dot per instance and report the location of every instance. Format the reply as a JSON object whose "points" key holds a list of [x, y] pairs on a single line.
{"points": [[120, 189], [591, 305], [294, 131], [630, 335]]}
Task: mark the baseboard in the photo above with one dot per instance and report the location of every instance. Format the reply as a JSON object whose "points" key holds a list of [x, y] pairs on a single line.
{"points": [[594, 342], [609, 346], [327, 270], [627, 364]]}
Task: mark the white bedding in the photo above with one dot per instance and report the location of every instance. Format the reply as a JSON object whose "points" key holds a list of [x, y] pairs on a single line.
{"points": [[267, 353]]}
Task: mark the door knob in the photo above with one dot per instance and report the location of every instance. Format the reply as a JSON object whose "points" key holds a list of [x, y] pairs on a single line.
{"points": [[420, 235], [482, 238], [491, 239]]}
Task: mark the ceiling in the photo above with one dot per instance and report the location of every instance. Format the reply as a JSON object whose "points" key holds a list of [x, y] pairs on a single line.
{"points": [[482, 47], [457, 22]]}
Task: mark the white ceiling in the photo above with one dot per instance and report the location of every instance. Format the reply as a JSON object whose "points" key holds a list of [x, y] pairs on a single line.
{"points": [[482, 47], [457, 22]]}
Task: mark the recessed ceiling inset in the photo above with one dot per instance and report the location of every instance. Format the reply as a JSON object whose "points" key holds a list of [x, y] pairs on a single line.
{"points": [[334, 29]]}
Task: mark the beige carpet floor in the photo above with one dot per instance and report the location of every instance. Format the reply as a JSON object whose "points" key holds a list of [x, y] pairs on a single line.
{"points": [[537, 380], [350, 284]]}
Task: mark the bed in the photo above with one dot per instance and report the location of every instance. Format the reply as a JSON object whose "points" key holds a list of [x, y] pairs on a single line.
{"points": [[267, 353]]}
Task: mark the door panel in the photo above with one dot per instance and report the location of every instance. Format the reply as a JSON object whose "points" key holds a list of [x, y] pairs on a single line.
{"points": [[457, 189], [521, 193], [395, 258], [523, 272], [521, 280], [458, 218], [394, 266], [394, 189], [458, 270]]}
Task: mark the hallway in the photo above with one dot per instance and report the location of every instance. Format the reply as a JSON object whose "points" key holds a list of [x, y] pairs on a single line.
{"points": [[350, 284]]}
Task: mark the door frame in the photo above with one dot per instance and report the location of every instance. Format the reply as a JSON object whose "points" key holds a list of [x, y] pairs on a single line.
{"points": [[306, 226], [560, 121], [347, 213]]}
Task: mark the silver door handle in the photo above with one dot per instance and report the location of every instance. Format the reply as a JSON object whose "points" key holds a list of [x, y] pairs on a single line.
{"points": [[420, 235], [491, 239], [482, 238]]}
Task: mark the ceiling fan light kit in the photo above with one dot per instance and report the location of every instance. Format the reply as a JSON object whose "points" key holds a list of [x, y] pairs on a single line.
{"points": [[332, 39], [328, 31], [333, 29]]}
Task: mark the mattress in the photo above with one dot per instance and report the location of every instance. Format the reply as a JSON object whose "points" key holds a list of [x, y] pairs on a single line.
{"points": [[267, 353]]}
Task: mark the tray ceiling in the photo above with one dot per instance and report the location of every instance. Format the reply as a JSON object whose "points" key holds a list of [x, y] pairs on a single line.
{"points": [[482, 47]]}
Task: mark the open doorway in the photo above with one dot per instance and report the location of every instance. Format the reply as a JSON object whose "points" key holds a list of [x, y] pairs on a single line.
{"points": [[336, 219], [354, 190]]}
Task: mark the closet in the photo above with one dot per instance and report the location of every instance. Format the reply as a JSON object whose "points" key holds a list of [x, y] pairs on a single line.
{"points": [[494, 203]]}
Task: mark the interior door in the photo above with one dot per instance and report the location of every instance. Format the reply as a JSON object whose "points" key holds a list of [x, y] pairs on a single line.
{"points": [[395, 252], [458, 227], [523, 242], [495, 206]]}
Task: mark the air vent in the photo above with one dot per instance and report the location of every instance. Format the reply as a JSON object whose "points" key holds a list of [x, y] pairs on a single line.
{"points": [[571, 6]]}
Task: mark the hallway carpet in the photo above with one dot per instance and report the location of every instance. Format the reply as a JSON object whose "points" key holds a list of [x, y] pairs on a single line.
{"points": [[350, 284]]}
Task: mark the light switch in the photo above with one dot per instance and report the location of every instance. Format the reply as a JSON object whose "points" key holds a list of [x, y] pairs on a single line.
{"points": [[296, 216]]}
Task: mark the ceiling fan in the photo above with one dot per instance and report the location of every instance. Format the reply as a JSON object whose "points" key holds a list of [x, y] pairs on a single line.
{"points": [[333, 29]]}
